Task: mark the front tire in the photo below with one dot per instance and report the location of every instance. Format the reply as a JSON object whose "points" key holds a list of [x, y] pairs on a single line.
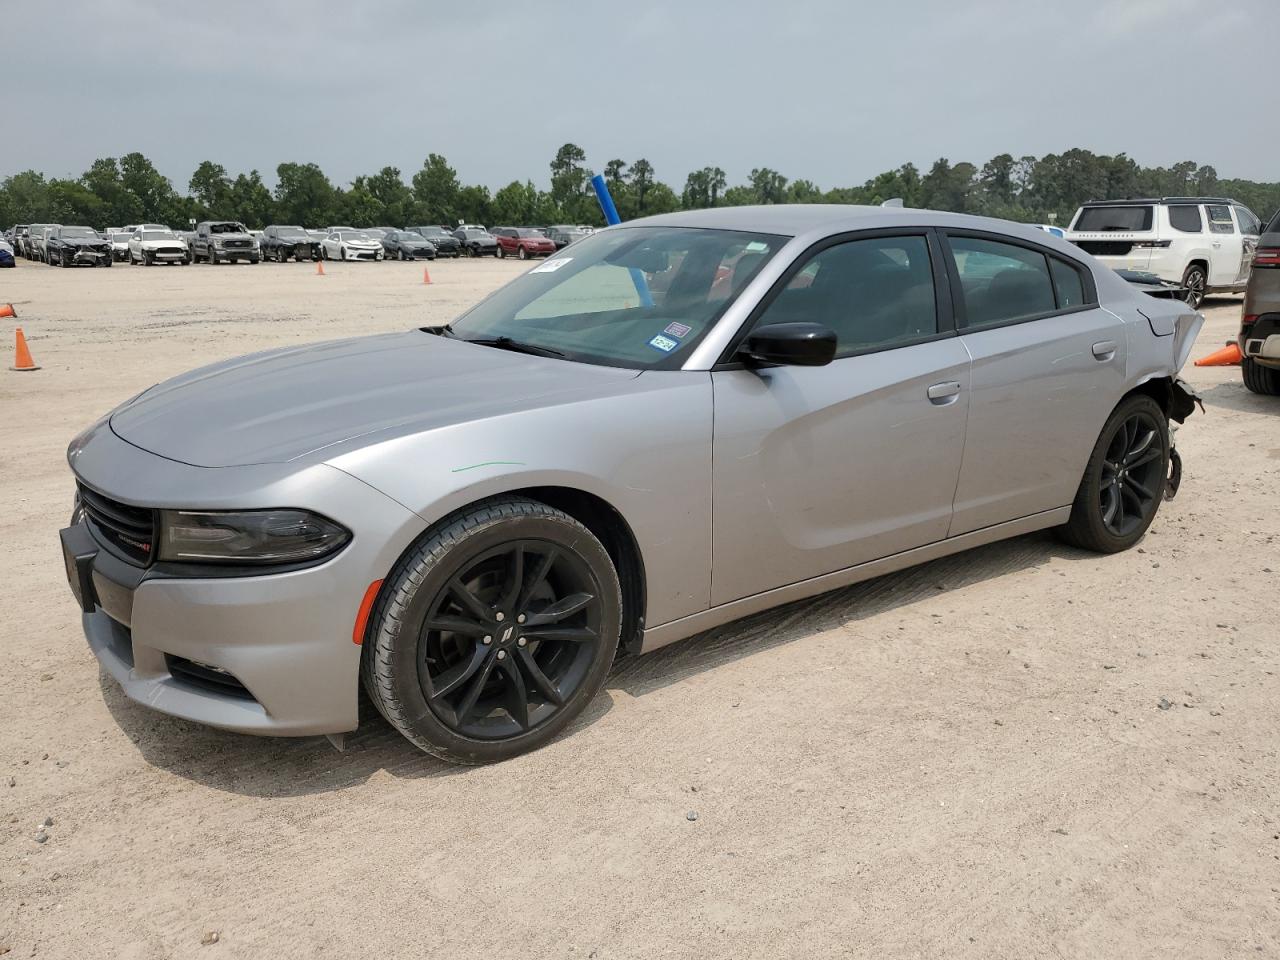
{"points": [[1124, 481], [1260, 379], [523, 254], [494, 632]]}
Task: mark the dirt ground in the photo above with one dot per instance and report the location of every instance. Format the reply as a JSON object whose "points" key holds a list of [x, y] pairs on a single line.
{"points": [[964, 760]]}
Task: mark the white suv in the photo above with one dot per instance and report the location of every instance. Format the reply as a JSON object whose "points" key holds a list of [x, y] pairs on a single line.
{"points": [[1205, 244]]}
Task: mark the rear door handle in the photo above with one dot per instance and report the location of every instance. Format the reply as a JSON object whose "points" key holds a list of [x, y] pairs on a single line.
{"points": [[1104, 349], [944, 393]]}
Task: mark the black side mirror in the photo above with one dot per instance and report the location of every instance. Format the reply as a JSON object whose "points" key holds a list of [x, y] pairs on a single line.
{"points": [[790, 344]]}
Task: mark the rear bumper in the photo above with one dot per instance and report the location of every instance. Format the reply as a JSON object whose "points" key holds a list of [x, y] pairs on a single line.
{"points": [[1260, 341], [267, 654]]}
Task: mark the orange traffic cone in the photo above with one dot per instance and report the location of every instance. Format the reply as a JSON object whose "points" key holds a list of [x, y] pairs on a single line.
{"points": [[319, 268], [1228, 356], [426, 277], [6, 310], [22, 361]]}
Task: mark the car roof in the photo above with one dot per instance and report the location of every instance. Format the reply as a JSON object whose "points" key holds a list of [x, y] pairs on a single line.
{"points": [[1165, 200], [795, 219]]}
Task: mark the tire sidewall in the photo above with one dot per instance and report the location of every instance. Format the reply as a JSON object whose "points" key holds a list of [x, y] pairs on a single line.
{"points": [[425, 572]]}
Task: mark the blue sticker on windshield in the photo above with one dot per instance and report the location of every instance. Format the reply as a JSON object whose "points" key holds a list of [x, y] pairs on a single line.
{"points": [[677, 329], [665, 344]]}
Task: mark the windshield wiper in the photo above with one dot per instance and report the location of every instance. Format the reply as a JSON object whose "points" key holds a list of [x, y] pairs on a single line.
{"points": [[516, 346], [443, 330]]}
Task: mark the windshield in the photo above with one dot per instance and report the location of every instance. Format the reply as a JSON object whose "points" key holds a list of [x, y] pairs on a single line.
{"points": [[78, 233], [475, 234], [1102, 219], [227, 228], [637, 297], [523, 232], [356, 235], [290, 232], [158, 235]]}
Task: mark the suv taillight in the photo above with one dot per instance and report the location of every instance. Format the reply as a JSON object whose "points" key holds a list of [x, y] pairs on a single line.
{"points": [[1248, 319], [1152, 243], [1267, 257]]}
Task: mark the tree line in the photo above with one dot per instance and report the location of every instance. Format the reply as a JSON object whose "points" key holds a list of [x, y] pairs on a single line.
{"points": [[129, 189]]}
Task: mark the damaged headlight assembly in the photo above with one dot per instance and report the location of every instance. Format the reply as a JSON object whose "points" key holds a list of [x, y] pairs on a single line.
{"points": [[250, 537]]}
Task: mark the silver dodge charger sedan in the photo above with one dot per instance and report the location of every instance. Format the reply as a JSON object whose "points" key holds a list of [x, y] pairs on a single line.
{"points": [[671, 424]]}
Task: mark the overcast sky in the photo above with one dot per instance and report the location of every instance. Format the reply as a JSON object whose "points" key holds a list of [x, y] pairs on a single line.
{"points": [[831, 91]]}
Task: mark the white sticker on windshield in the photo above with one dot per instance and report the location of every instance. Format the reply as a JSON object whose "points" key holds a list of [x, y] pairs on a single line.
{"points": [[755, 246], [551, 266]]}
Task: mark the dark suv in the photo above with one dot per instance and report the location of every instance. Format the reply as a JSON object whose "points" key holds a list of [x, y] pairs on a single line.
{"points": [[280, 243], [445, 242], [1260, 323], [68, 246], [224, 241]]}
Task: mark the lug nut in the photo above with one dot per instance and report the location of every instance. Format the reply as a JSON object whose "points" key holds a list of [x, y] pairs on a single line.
{"points": [[502, 654], [487, 639], [520, 619], [521, 642], [501, 616]]}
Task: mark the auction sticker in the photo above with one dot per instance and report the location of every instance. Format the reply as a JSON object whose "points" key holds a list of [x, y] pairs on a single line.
{"points": [[678, 329], [665, 344], [551, 266]]}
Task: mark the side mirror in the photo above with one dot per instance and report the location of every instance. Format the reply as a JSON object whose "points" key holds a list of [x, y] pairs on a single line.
{"points": [[790, 344]]}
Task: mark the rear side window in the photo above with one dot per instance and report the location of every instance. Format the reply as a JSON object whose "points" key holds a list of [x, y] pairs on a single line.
{"points": [[1274, 225], [1220, 218], [1117, 218], [1186, 217], [1067, 283], [1000, 282]]}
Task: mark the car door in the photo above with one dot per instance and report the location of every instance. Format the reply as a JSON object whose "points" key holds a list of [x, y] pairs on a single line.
{"points": [[821, 468], [1250, 230], [135, 246], [1228, 246], [1048, 368]]}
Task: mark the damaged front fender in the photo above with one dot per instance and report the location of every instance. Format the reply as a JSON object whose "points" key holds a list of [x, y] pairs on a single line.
{"points": [[1183, 400]]}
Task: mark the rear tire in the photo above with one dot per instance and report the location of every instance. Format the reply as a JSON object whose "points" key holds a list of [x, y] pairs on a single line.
{"points": [[1124, 481], [1194, 281], [486, 569], [1260, 379]]}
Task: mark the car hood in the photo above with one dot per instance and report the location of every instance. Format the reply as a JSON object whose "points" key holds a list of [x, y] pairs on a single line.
{"points": [[285, 404], [231, 236]]}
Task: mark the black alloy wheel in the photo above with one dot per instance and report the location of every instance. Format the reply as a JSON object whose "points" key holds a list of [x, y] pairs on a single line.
{"points": [[1125, 479], [1194, 282], [494, 632]]}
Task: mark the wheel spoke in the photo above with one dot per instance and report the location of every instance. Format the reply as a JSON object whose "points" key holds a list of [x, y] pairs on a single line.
{"points": [[515, 579], [1142, 446], [539, 679], [1130, 496], [539, 576], [517, 695], [1139, 488], [468, 628], [469, 600], [564, 607], [1145, 458], [571, 634], [458, 674], [468, 702], [1112, 506]]}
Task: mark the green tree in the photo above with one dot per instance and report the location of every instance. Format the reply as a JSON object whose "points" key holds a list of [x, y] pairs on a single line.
{"points": [[436, 189], [251, 201], [211, 188], [304, 196], [569, 178]]}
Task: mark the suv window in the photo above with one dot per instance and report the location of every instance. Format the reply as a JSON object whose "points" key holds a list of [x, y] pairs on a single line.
{"points": [[1248, 222], [1185, 217], [875, 294], [1000, 282], [1220, 218], [1102, 219]]}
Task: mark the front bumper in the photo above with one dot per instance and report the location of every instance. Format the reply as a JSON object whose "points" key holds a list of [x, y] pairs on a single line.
{"points": [[267, 653], [92, 257], [232, 254], [359, 253], [166, 255]]}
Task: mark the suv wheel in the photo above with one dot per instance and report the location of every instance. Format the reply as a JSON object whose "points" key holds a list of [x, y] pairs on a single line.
{"points": [[1260, 379], [1124, 481], [494, 632], [1194, 282], [524, 254]]}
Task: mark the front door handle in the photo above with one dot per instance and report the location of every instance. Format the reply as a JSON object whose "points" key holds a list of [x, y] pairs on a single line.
{"points": [[1104, 349], [944, 393]]}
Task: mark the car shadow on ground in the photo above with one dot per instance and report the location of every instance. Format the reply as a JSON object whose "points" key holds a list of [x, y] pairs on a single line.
{"points": [[1234, 395], [279, 767]]}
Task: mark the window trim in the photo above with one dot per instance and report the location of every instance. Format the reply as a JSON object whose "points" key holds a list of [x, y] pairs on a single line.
{"points": [[957, 291], [942, 298]]}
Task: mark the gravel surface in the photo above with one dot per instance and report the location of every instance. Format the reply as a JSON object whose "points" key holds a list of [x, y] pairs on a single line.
{"points": [[1021, 751]]}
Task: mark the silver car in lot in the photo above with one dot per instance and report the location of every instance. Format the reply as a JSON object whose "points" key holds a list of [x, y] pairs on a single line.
{"points": [[676, 422]]}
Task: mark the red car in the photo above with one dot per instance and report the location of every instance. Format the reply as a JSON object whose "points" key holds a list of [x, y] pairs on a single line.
{"points": [[522, 242]]}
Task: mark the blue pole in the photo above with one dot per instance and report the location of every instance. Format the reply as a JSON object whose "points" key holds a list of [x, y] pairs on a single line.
{"points": [[611, 217]]}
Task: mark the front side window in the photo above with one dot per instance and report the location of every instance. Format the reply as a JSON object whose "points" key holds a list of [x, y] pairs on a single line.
{"points": [[875, 294], [637, 297], [1185, 217], [1000, 282], [1220, 218]]}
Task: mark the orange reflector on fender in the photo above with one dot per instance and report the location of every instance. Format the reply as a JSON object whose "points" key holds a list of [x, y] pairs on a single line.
{"points": [[362, 615]]}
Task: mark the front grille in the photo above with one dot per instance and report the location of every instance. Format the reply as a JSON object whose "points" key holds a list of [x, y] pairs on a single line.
{"points": [[204, 677], [128, 531], [178, 251], [242, 244], [1105, 248]]}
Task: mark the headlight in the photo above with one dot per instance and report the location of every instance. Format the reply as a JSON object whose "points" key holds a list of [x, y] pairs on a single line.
{"points": [[248, 537], [217, 241]]}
